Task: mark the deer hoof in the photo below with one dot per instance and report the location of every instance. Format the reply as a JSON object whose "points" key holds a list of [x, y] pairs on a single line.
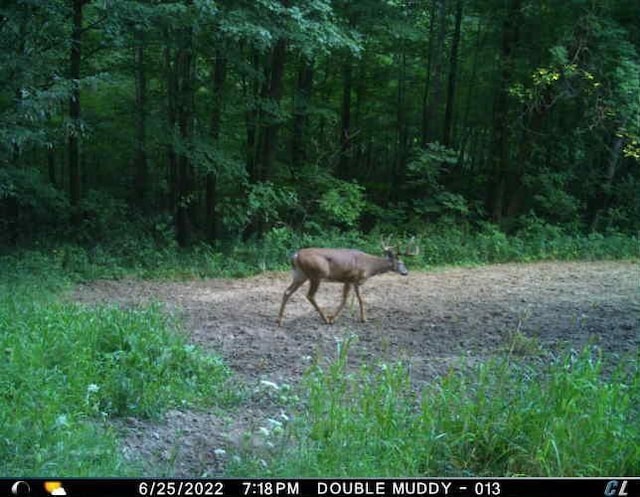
{"points": [[330, 319]]}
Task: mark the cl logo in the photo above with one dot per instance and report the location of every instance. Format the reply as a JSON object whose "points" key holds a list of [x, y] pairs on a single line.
{"points": [[615, 488]]}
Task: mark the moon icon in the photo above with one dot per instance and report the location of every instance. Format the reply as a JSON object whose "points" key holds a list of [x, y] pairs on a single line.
{"points": [[20, 487]]}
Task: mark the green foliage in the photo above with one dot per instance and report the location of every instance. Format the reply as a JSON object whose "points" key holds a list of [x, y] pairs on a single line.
{"points": [[426, 165], [325, 202], [155, 255], [552, 200], [565, 417], [102, 217], [30, 95], [430, 198], [315, 31], [38, 203], [342, 204], [69, 368], [534, 240], [351, 123], [266, 202], [558, 416]]}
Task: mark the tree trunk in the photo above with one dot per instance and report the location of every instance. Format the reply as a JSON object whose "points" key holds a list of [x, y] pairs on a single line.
{"points": [[603, 197], [515, 194], [274, 95], [447, 136], [500, 140], [345, 119], [185, 92], [263, 139], [21, 52], [435, 94], [470, 97], [74, 109], [401, 141], [51, 164], [252, 120], [427, 80], [141, 175], [172, 90], [211, 195], [219, 77], [301, 100]]}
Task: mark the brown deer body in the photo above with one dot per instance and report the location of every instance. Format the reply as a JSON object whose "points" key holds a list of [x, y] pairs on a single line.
{"points": [[351, 267]]}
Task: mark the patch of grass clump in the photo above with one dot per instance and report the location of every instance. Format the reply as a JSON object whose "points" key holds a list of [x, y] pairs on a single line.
{"points": [[66, 369], [561, 417]]}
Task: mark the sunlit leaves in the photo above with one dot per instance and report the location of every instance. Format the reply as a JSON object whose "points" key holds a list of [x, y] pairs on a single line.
{"points": [[343, 203], [266, 201], [632, 144]]}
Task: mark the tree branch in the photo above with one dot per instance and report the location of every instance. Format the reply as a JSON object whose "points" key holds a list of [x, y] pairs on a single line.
{"points": [[93, 24]]}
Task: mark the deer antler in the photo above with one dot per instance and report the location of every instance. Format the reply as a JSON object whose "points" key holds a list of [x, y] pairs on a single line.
{"points": [[386, 244], [412, 249]]}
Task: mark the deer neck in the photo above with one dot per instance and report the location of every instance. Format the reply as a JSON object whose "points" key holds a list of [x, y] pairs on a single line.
{"points": [[379, 265]]}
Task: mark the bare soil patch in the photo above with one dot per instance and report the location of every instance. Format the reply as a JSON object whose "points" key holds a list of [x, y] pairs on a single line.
{"points": [[432, 320]]}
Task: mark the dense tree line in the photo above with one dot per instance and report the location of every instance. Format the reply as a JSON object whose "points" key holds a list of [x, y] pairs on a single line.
{"points": [[227, 119]]}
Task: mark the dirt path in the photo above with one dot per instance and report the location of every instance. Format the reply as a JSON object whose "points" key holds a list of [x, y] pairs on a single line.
{"points": [[431, 320]]}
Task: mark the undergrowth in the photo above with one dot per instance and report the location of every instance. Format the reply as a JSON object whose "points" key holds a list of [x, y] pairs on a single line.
{"points": [[142, 257], [562, 416]]}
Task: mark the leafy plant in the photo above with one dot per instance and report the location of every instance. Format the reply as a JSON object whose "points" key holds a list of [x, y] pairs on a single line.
{"points": [[37, 203], [342, 203], [268, 202]]}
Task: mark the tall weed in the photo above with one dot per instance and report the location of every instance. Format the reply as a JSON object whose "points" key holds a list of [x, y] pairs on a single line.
{"points": [[558, 417]]}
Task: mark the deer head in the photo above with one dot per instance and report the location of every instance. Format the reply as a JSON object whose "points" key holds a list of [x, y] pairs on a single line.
{"points": [[411, 249]]}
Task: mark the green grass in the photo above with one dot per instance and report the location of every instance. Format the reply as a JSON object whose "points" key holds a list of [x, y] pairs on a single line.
{"points": [[141, 257], [67, 369], [453, 245], [561, 416]]}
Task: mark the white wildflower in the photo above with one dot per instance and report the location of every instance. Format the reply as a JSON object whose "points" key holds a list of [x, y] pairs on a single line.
{"points": [[270, 384]]}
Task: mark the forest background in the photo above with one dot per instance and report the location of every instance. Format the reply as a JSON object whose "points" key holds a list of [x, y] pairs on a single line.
{"points": [[132, 126]]}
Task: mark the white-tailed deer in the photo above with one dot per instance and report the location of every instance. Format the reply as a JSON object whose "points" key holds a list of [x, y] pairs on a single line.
{"points": [[351, 267]]}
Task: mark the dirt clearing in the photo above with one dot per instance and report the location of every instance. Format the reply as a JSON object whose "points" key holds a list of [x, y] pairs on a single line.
{"points": [[432, 320]]}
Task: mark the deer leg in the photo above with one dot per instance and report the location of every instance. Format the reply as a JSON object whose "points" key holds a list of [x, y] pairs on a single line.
{"points": [[357, 289], [298, 280], [345, 293], [313, 288]]}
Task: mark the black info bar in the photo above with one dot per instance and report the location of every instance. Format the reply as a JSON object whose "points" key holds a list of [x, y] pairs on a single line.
{"points": [[338, 487]]}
